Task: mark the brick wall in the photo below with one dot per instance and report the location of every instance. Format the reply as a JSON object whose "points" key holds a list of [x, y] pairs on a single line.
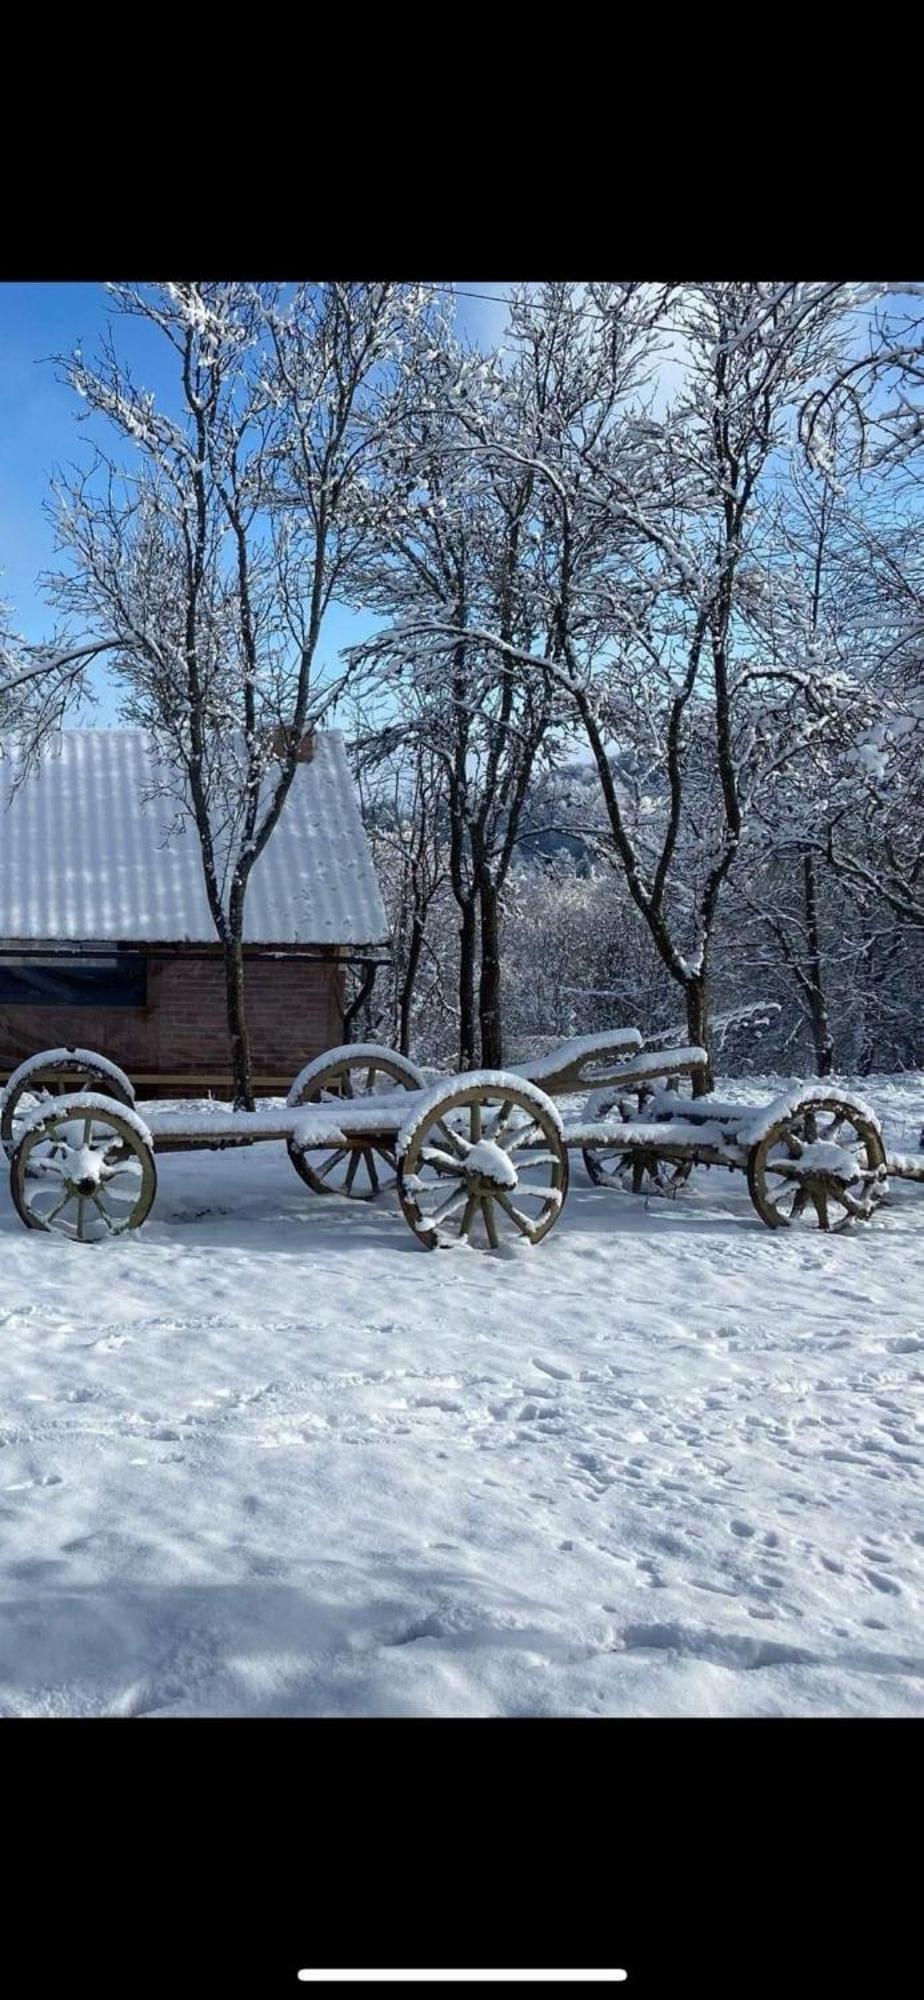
{"points": [[294, 1011]]}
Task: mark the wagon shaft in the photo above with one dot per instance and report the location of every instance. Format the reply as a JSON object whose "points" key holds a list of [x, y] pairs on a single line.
{"points": [[582, 1063], [352, 1123], [641, 1072], [906, 1166], [675, 1139], [831, 1175]]}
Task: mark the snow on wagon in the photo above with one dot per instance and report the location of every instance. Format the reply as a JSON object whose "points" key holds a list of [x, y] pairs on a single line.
{"points": [[473, 1157]]}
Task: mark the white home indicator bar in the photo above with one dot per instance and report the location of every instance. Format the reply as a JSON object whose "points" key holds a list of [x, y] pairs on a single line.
{"points": [[393, 1976]]}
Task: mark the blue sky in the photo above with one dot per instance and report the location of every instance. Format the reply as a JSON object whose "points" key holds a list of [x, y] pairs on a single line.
{"points": [[39, 431]]}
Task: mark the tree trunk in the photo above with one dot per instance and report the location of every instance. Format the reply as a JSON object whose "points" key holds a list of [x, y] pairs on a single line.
{"points": [[360, 997], [697, 998], [467, 985], [407, 986], [489, 999], [821, 1026], [237, 1024]]}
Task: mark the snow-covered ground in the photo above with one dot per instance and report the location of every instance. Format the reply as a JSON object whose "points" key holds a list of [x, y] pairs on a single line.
{"points": [[270, 1457]]}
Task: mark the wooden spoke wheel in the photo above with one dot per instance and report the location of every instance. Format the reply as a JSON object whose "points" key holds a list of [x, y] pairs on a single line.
{"points": [[823, 1167], [633, 1172], [42, 1084], [84, 1172], [352, 1074], [486, 1162]]}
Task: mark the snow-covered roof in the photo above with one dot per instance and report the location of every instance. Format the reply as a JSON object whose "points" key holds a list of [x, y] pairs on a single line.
{"points": [[85, 857]]}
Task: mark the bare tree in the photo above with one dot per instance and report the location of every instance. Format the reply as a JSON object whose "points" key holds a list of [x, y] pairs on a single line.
{"points": [[874, 395], [207, 570], [467, 553], [664, 632], [403, 802], [37, 684]]}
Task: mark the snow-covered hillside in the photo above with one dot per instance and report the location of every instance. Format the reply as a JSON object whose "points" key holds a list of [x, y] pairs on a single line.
{"points": [[270, 1457]]}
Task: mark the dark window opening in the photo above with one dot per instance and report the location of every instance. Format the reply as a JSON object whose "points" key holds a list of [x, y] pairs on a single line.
{"points": [[73, 982]]}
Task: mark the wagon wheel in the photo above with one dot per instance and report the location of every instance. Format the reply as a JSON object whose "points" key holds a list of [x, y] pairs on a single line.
{"points": [[634, 1172], [86, 1173], [352, 1073], [486, 1157], [822, 1166], [24, 1093]]}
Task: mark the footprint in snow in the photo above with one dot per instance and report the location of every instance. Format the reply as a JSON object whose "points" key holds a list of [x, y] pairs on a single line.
{"points": [[887, 1584], [722, 1649], [47, 1479]]}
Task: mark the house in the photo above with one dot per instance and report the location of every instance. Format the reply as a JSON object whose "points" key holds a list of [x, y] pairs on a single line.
{"points": [[106, 940]]}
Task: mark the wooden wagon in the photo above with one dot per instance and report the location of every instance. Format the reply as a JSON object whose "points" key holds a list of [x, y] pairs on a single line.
{"points": [[473, 1156]]}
